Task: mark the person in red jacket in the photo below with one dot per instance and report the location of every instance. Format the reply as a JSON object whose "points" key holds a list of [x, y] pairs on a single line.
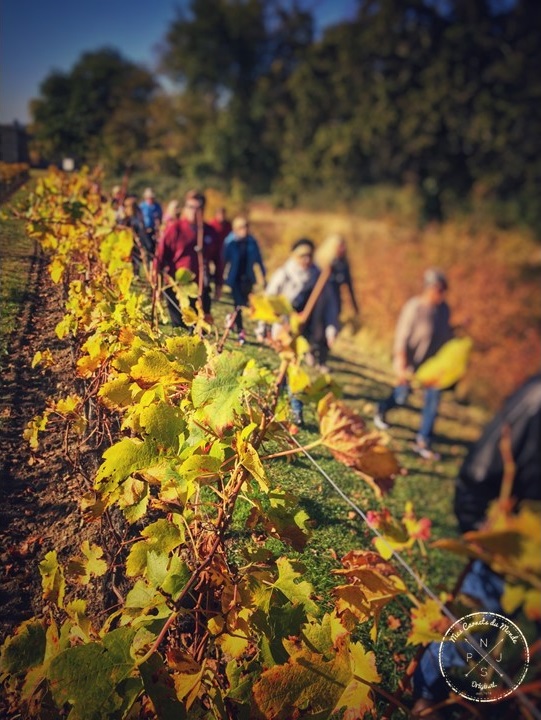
{"points": [[179, 247]]}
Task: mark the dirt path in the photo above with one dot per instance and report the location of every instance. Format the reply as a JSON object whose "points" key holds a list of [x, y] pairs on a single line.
{"points": [[37, 496]]}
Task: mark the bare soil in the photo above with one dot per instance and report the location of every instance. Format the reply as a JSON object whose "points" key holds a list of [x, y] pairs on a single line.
{"points": [[39, 492]]}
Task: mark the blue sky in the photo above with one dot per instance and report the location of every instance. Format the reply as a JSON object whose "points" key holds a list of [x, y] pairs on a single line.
{"points": [[38, 36]]}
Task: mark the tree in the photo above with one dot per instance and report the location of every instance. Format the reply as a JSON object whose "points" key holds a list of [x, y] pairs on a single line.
{"points": [[96, 112]]}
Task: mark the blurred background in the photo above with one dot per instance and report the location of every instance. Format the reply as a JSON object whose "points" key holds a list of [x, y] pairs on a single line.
{"points": [[412, 126]]}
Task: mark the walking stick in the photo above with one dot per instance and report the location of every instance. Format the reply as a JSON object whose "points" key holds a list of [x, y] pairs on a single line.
{"points": [[200, 262], [315, 294]]}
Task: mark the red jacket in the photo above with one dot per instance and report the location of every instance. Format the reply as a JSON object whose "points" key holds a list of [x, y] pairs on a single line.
{"points": [[177, 249]]}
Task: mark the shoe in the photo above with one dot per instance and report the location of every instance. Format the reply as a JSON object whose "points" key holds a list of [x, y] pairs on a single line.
{"points": [[324, 369], [310, 359], [421, 448], [298, 418], [242, 337], [380, 423]]}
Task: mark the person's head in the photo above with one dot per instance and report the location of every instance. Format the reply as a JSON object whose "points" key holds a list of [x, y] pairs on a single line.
{"points": [[130, 206], [435, 285], [241, 226], [116, 191], [220, 214], [302, 251], [173, 210], [194, 202], [148, 195]]}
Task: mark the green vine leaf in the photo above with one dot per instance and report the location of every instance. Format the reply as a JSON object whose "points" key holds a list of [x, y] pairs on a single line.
{"points": [[160, 687], [25, 649], [88, 677], [217, 391], [296, 592]]}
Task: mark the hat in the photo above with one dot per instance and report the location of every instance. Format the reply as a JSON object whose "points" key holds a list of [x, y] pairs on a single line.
{"points": [[434, 276]]}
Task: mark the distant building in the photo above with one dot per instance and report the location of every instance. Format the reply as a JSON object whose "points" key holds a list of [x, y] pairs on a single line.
{"points": [[13, 143]]}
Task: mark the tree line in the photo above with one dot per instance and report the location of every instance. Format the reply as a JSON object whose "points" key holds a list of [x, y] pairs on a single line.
{"points": [[443, 96]]}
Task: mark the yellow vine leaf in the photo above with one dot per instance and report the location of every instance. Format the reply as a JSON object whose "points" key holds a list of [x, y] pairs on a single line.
{"points": [[374, 583], [91, 563], [56, 269], [515, 596], [428, 623], [356, 700], [52, 579], [45, 359], [345, 433], [297, 378], [122, 459], [269, 309], [187, 676], [447, 366], [152, 367], [118, 392], [249, 460]]}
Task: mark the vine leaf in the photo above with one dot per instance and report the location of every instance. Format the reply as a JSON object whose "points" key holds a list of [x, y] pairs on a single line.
{"points": [[161, 536], [25, 649], [309, 684], [269, 309], [217, 390], [52, 579], [122, 459], [374, 583], [356, 699], [160, 688], [428, 623], [249, 459], [347, 437], [88, 676], [82, 568], [152, 367], [296, 592]]}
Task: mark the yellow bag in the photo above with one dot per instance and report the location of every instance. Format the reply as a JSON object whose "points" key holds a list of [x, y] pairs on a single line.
{"points": [[447, 366]]}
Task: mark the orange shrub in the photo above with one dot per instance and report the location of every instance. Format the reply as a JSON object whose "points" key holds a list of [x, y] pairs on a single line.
{"points": [[494, 285]]}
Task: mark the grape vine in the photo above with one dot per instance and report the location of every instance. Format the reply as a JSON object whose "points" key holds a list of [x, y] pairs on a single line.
{"points": [[205, 629]]}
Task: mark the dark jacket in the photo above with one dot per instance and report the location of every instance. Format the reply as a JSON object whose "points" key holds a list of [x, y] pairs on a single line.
{"points": [[233, 255], [481, 474]]}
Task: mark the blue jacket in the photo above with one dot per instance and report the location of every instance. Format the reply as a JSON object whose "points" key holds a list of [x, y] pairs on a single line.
{"points": [[152, 213], [232, 257]]}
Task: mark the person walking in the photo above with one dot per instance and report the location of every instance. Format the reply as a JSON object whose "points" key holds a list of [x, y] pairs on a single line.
{"points": [[480, 480], [180, 246], [152, 216], [132, 217], [333, 250], [241, 256], [295, 280], [423, 327]]}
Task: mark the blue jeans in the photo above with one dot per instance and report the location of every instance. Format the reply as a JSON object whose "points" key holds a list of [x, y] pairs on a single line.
{"points": [[486, 587], [399, 396]]}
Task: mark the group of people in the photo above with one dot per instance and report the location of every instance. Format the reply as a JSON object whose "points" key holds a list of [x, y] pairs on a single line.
{"points": [[220, 252], [223, 252]]}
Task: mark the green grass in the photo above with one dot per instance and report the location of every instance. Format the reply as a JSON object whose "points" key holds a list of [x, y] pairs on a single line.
{"points": [[335, 527], [16, 253]]}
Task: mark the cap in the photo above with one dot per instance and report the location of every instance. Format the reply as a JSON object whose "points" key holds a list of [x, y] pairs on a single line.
{"points": [[434, 276]]}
